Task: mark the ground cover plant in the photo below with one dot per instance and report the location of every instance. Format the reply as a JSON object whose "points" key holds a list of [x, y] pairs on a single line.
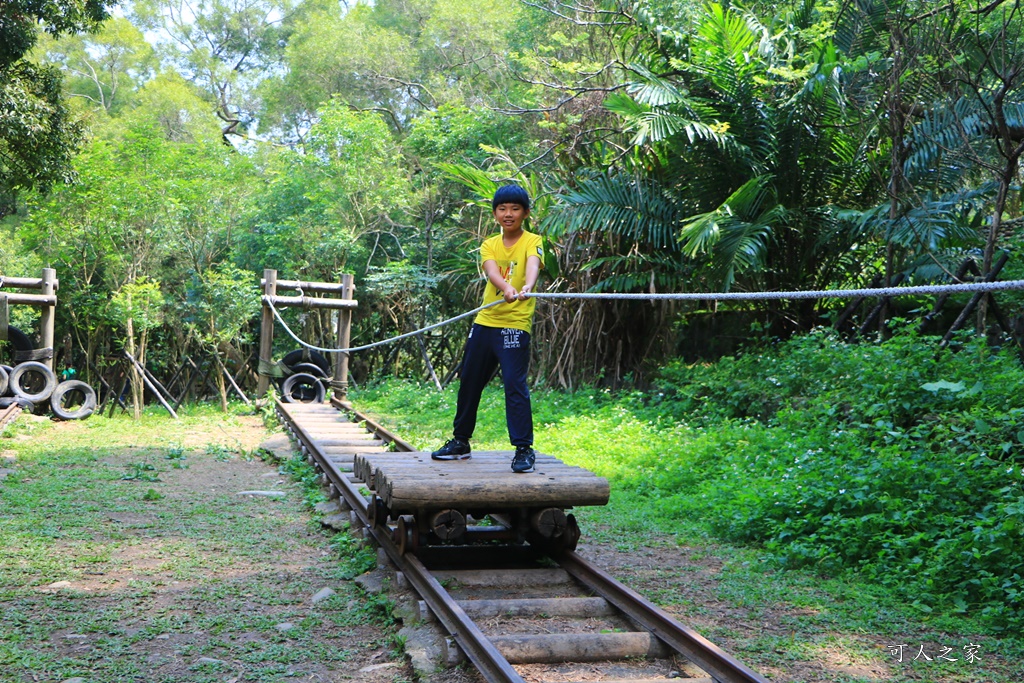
{"points": [[877, 487], [894, 459], [127, 554]]}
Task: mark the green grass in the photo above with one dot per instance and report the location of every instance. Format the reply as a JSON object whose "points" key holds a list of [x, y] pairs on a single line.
{"points": [[670, 478], [127, 555]]}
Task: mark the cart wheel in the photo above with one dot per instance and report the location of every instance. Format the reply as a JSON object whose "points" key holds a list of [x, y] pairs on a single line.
{"points": [[407, 535]]}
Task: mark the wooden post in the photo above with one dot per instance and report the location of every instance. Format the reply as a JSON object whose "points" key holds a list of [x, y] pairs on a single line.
{"points": [[266, 331], [46, 320], [340, 382]]}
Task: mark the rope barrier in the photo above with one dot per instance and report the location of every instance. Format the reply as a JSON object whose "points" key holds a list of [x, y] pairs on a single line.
{"points": [[975, 287], [352, 349]]}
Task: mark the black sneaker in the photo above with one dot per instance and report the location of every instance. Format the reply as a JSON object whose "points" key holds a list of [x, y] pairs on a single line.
{"points": [[524, 459], [453, 449]]}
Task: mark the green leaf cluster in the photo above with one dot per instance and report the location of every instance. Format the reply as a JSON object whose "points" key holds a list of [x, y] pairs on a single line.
{"points": [[888, 459]]}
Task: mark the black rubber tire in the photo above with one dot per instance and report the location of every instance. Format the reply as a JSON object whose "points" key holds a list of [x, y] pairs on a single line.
{"points": [[19, 373], [19, 340], [8, 401], [7, 389], [87, 408], [297, 356], [303, 388], [311, 369], [3, 381]]}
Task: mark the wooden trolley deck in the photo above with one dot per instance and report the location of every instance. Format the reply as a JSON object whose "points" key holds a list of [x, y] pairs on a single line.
{"points": [[407, 482], [445, 501]]}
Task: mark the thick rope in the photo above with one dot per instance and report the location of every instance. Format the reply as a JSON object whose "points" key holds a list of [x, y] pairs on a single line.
{"points": [[974, 287], [820, 294], [380, 343]]}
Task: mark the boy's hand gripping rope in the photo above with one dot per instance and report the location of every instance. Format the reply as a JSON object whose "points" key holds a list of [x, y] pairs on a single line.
{"points": [[687, 296]]}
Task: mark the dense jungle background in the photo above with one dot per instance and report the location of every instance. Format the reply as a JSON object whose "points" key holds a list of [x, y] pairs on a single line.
{"points": [[161, 153]]}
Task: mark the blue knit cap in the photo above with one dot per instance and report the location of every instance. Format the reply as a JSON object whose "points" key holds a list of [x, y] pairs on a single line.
{"points": [[511, 194]]}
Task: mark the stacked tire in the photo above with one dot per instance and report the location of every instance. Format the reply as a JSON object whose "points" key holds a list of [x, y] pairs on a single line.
{"points": [[307, 377], [31, 384]]}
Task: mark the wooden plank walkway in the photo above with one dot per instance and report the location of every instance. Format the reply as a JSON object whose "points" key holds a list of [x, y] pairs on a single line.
{"points": [[333, 433]]}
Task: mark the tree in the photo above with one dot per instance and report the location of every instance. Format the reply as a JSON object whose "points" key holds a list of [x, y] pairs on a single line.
{"points": [[745, 146], [103, 68], [220, 304], [138, 307], [158, 196], [993, 77], [38, 135], [222, 46], [331, 53], [361, 174]]}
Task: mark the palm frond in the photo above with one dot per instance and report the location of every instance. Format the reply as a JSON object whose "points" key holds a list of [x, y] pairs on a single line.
{"points": [[636, 208], [932, 224], [472, 177], [861, 27], [736, 234], [657, 111], [653, 90], [943, 132], [657, 125], [659, 271], [625, 106]]}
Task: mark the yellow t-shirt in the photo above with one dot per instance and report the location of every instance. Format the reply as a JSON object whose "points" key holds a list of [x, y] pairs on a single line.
{"points": [[512, 265]]}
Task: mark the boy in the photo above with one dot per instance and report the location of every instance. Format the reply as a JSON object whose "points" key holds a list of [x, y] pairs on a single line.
{"points": [[501, 334]]}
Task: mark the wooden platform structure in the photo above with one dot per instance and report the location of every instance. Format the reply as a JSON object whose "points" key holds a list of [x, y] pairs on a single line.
{"points": [[411, 482], [432, 502]]}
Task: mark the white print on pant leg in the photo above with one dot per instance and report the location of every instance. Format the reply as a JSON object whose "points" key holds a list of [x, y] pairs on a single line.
{"points": [[510, 338]]}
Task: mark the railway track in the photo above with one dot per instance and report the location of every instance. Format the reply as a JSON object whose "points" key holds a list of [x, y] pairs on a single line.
{"points": [[9, 414], [516, 610]]}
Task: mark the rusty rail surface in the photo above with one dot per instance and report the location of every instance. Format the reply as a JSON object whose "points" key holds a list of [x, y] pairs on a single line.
{"points": [[476, 646]]}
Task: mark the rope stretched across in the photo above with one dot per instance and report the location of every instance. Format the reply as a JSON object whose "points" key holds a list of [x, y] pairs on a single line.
{"points": [[975, 287], [287, 329]]}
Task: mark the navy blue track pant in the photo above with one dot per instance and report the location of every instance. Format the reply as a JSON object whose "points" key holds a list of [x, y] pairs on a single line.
{"points": [[486, 349]]}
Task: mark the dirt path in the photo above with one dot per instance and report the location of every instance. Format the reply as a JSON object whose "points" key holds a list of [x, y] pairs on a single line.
{"points": [[130, 560], [128, 553]]}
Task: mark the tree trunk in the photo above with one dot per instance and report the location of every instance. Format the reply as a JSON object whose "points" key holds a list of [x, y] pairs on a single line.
{"points": [[1005, 182], [133, 372], [221, 384], [897, 181]]}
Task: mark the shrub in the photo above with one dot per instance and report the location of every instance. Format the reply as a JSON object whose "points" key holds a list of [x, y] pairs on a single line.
{"points": [[894, 459]]}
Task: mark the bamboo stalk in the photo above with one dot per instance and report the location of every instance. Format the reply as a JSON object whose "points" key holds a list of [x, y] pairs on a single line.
{"points": [[231, 379]]}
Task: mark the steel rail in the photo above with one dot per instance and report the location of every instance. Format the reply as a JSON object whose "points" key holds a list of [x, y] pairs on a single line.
{"points": [[9, 414], [695, 647], [355, 500], [474, 644], [378, 430], [480, 651]]}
